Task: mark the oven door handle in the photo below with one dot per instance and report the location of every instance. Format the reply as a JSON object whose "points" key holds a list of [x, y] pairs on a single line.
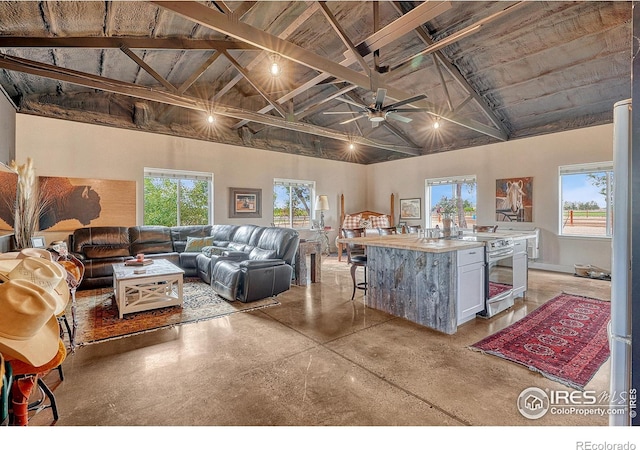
{"points": [[499, 255]]}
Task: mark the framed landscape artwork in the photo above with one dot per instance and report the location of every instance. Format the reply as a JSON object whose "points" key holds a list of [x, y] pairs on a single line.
{"points": [[245, 203], [514, 200], [410, 208]]}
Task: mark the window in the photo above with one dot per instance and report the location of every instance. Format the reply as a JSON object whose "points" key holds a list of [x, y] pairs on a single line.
{"points": [[455, 196], [292, 203], [177, 198], [586, 200]]}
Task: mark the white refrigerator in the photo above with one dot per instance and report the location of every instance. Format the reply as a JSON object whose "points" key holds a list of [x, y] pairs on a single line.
{"points": [[620, 325]]}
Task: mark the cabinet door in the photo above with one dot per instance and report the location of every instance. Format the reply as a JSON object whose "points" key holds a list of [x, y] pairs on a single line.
{"points": [[470, 291], [520, 267]]}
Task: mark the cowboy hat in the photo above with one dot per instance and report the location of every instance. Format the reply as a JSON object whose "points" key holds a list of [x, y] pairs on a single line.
{"points": [[29, 330], [27, 252], [47, 274]]}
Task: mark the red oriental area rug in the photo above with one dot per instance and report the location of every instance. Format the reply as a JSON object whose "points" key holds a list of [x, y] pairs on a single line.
{"points": [[565, 339]]}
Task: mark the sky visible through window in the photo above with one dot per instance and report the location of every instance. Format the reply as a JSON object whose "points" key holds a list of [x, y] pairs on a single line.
{"points": [[579, 188]]}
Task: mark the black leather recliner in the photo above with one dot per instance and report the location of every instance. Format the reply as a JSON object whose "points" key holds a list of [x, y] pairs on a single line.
{"points": [[259, 267]]}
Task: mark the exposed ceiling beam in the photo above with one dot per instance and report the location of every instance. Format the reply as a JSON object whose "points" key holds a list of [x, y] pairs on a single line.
{"points": [[152, 94], [255, 84], [208, 17], [408, 21], [455, 73], [344, 38], [129, 42], [198, 72], [147, 68], [293, 26]]}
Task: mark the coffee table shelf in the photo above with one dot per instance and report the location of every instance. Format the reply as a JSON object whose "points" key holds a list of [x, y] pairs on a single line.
{"points": [[158, 287]]}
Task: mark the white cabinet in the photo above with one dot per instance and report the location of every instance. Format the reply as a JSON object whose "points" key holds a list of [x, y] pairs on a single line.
{"points": [[520, 268], [470, 283]]}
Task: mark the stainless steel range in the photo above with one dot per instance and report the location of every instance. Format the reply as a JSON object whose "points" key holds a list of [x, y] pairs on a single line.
{"points": [[499, 273]]}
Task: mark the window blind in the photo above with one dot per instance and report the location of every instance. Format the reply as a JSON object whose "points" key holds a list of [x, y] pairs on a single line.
{"points": [[586, 168], [178, 174]]}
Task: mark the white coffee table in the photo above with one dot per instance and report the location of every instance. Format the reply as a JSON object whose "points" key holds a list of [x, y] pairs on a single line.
{"points": [[158, 287]]}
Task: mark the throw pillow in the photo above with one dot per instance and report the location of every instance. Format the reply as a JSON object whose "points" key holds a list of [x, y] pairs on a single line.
{"points": [[211, 250], [380, 222], [365, 223], [196, 244], [352, 221]]}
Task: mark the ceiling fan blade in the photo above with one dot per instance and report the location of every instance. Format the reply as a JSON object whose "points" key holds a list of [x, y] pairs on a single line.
{"points": [[382, 93], [353, 119], [405, 102], [341, 112], [408, 110], [398, 117], [342, 99]]}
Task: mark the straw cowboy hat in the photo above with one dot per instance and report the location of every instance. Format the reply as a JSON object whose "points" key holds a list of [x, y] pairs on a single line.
{"points": [[27, 252], [47, 274], [29, 329]]}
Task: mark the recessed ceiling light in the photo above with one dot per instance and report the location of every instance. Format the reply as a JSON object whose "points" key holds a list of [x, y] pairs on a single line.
{"points": [[211, 119], [436, 124], [351, 146]]}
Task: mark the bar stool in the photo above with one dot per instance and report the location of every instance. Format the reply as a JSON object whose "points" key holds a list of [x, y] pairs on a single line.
{"points": [[356, 256], [384, 231], [23, 372]]}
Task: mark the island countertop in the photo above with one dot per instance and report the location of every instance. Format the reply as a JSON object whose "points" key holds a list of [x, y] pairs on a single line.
{"points": [[413, 242]]}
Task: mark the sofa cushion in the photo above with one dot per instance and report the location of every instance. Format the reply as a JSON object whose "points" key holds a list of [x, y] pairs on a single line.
{"points": [[259, 253], [105, 251], [195, 244]]}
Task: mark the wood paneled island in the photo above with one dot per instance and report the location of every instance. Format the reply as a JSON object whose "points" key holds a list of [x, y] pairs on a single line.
{"points": [[415, 278]]}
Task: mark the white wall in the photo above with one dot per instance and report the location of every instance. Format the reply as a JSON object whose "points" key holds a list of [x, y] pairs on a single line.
{"points": [[63, 148], [77, 150], [537, 157], [7, 130]]}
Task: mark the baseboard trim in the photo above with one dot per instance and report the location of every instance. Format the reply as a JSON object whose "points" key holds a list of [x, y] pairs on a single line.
{"points": [[551, 267]]}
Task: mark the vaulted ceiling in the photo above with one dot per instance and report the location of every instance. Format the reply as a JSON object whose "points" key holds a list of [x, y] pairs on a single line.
{"points": [[375, 74]]}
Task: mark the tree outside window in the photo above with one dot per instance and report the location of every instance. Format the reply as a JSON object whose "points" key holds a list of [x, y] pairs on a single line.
{"points": [[179, 199], [292, 203]]}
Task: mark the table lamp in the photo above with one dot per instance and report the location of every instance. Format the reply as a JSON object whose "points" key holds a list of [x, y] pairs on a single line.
{"points": [[322, 205]]}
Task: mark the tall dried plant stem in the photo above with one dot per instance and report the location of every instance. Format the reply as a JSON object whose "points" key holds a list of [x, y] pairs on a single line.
{"points": [[28, 204]]}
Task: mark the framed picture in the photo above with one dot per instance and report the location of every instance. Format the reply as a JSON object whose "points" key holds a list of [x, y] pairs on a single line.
{"points": [[514, 199], [245, 203], [38, 242], [410, 208]]}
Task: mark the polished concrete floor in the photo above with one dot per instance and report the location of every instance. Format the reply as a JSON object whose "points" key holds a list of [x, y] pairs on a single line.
{"points": [[318, 358]]}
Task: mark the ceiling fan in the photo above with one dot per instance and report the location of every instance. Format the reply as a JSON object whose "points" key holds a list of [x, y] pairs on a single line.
{"points": [[376, 112]]}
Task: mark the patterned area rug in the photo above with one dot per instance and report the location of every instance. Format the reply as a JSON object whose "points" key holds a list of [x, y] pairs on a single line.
{"points": [[565, 339], [97, 313]]}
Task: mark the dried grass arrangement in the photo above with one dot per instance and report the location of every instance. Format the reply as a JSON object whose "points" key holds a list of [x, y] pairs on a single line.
{"points": [[29, 204]]}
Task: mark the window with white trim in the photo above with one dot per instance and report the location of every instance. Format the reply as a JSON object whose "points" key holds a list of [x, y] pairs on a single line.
{"points": [[454, 196], [174, 197], [586, 200], [293, 203]]}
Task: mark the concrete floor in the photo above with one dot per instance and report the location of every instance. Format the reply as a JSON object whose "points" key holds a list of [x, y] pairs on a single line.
{"points": [[316, 359]]}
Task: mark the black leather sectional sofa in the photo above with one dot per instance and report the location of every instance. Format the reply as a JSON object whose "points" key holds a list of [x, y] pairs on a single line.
{"points": [[241, 262]]}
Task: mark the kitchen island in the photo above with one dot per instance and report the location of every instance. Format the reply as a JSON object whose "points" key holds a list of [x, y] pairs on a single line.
{"points": [[418, 279]]}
